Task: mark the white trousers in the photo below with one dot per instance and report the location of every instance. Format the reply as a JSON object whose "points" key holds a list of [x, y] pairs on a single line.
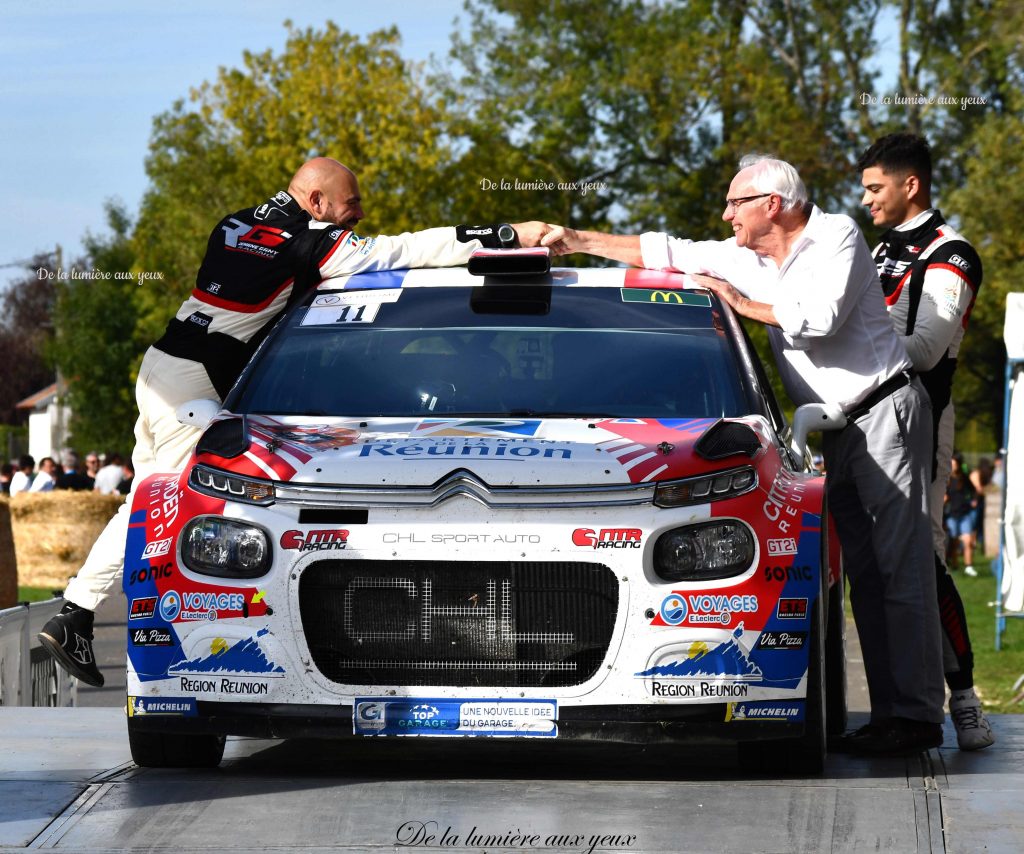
{"points": [[161, 444]]}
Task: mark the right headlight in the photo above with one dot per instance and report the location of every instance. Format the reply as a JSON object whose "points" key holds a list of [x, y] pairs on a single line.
{"points": [[704, 552], [221, 484], [227, 548]]}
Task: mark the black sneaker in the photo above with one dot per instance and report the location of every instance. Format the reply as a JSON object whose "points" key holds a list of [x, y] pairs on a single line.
{"points": [[898, 737], [68, 638], [848, 741]]}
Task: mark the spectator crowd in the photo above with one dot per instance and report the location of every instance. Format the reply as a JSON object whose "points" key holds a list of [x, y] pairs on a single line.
{"points": [[109, 474]]}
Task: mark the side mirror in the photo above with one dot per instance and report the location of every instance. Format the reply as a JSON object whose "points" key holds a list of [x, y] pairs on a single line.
{"points": [[197, 413], [809, 418]]}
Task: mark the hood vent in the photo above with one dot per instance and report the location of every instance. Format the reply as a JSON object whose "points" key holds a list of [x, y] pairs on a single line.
{"points": [[725, 439]]}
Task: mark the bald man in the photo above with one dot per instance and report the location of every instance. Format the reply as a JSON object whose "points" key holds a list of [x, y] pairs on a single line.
{"points": [[259, 262]]}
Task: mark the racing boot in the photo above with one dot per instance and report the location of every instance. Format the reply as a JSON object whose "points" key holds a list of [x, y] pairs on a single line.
{"points": [[973, 731], [68, 638]]}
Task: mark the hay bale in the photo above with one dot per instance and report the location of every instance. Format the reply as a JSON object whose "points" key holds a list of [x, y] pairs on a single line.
{"points": [[8, 559], [53, 532]]}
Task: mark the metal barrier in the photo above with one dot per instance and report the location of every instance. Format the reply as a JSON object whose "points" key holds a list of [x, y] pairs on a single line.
{"points": [[28, 675]]}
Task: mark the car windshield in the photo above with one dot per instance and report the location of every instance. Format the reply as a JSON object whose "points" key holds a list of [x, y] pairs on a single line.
{"points": [[497, 350]]}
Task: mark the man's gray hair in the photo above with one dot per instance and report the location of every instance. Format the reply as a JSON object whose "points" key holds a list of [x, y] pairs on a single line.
{"points": [[771, 175]]}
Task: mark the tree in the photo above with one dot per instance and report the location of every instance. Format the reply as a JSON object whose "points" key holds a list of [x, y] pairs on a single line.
{"points": [[95, 347], [25, 334], [240, 138], [660, 99], [971, 54]]}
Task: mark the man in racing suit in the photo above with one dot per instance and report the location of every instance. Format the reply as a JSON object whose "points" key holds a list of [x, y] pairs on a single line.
{"points": [[259, 262], [930, 277]]}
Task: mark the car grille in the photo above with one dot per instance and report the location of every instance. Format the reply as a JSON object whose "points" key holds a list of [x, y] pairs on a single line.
{"points": [[474, 623]]}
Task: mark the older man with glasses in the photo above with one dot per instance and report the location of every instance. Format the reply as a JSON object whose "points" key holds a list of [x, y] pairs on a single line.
{"points": [[809, 277]]}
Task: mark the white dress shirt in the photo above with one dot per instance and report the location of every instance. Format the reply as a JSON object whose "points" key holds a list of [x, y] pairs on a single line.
{"points": [[20, 482], [836, 343], [42, 483]]}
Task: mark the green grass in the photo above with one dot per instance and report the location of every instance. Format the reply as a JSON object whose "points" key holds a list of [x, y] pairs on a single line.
{"points": [[34, 594], [994, 672]]}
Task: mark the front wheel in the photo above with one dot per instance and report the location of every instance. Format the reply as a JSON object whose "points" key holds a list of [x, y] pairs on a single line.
{"points": [[174, 750]]}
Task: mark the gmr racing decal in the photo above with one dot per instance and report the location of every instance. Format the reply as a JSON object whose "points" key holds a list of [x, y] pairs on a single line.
{"points": [[314, 541], [608, 538]]}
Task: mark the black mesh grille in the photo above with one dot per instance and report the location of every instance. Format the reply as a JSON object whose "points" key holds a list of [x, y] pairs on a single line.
{"points": [[484, 623]]}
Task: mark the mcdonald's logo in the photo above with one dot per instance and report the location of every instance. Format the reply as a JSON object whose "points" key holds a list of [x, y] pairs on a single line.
{"points": [[666, 296]]}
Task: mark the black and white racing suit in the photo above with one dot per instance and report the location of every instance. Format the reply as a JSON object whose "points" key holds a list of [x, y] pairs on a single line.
{"points": [[930, 277], [258, 263]]}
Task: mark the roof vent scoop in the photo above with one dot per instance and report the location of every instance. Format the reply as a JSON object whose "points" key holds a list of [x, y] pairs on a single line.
{"points": [[227, 438], [725, 439]]}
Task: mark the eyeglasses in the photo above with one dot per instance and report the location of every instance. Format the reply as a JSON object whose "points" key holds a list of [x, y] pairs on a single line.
{"points": [[734, 204]]}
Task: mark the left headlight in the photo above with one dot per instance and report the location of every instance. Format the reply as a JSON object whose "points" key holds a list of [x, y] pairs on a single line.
{"points": [[704, 552], [226, 548], [716, 486]]}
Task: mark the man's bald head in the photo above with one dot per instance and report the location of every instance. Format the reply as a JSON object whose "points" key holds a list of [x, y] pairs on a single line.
{"points": [[328, 191]]}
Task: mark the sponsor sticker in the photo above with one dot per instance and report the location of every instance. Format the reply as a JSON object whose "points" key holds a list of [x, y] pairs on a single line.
{"points": [[766, 710], [152, 637], [665, 297], [315, 541], [355, 307], [138, 706], [509, 450], [191, 606], [703, 608], [157, 548], [792, 609], [788, 573], [782, 546], [151, 573], [142, 609], [781, 640], [608, 538], [437, 717]]}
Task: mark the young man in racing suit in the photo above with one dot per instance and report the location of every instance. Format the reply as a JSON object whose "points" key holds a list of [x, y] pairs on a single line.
{"points": [[930, 277], [259, 262]]}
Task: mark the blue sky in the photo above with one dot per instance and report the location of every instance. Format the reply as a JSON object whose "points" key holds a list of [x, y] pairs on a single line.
{"points": [[80, 83]]}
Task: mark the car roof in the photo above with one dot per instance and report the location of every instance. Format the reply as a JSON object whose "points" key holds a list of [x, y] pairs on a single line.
{"points": [[606, 277]]}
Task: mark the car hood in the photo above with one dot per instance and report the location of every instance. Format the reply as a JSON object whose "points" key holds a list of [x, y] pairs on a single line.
{"points": [[390, 452]]}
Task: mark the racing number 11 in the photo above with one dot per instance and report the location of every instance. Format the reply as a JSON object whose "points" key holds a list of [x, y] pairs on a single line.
{"points": [[355, 318]]}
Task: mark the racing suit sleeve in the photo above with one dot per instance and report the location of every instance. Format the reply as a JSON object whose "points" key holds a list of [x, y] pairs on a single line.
{"points": [[432, 247], [947, 295]]}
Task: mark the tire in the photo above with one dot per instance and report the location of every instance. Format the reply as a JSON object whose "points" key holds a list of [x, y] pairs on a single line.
{"points": [[835, 661], [802, 756], [174, 750]]}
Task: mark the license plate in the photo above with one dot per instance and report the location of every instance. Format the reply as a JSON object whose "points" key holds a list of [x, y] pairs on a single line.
{"points": [[435, 717]]}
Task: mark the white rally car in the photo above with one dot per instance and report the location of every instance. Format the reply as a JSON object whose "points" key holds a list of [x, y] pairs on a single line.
{"points": [[443, 505]]}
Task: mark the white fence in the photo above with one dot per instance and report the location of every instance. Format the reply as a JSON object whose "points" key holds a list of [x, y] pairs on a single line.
{"points": [[28, 675]]}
